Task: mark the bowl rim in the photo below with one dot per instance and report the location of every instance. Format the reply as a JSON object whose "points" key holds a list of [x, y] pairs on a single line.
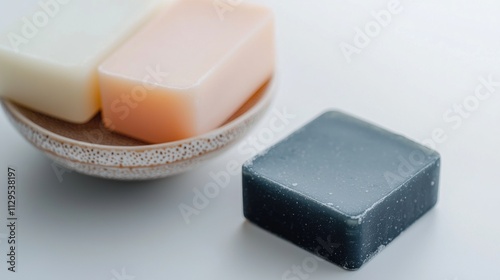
{"points": [[262, 102]]}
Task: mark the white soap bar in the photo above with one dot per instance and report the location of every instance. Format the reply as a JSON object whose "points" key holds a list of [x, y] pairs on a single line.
{"points": [[50, 50]]}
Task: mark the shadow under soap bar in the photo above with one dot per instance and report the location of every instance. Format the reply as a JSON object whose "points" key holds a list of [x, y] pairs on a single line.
{"points": [[340, 188]]}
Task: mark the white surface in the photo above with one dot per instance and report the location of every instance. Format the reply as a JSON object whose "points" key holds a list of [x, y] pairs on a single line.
{"points": [[427, 59]]}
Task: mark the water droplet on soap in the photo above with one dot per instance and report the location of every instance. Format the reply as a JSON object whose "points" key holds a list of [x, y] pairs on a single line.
{"points": [[295, 184], [432, 183]]}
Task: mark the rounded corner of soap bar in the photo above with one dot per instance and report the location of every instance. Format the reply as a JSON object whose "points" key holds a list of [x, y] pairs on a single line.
{"points": [[331, 113], [84, 118], [80, 115]]}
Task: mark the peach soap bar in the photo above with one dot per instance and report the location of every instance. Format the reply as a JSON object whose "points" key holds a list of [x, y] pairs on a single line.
{"points": [[187, 71], [50, 50]]}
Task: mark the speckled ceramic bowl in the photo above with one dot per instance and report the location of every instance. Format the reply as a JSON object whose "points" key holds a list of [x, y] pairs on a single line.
{"points": [[91, 149]]}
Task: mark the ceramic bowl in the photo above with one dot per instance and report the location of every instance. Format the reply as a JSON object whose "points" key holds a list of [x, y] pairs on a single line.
{"points": [[93, 150]]}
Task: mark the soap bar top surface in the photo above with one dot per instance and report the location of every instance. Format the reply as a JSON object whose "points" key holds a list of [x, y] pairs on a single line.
{"points": [[343, 162], [69, 32], [188, 41]]}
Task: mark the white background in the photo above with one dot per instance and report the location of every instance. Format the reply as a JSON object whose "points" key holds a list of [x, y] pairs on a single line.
{"points": [[428, 59]]}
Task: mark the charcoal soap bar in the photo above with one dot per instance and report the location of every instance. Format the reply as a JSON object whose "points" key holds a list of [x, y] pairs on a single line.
{"points": [[340, 188]]}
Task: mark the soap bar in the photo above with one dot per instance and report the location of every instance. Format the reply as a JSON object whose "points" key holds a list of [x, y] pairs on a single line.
{"points": [[340, 188], [50, 51], [187, 71]]}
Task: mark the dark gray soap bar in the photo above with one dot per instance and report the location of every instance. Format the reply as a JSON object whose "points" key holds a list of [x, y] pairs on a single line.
{"points": [[340, 188]]}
